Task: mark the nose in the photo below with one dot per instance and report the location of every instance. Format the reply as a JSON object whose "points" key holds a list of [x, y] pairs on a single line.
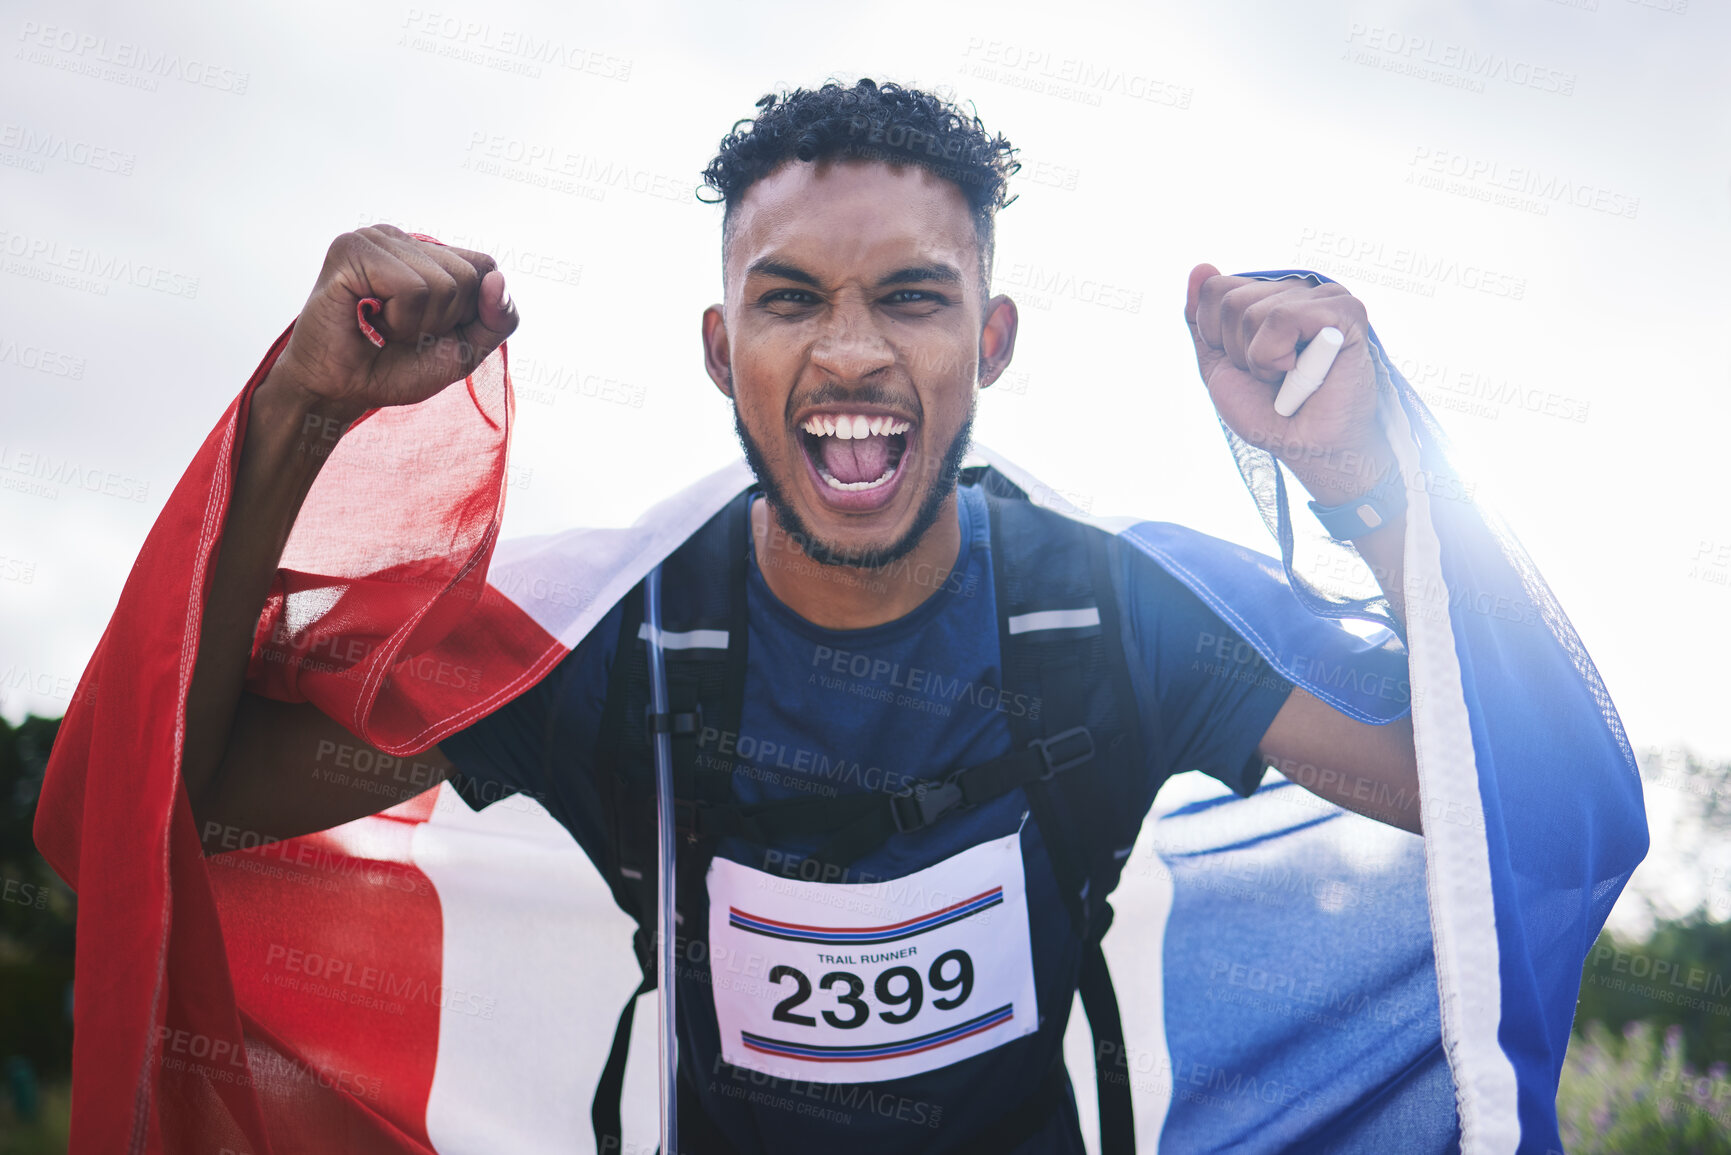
{"points": [[851, 347]]}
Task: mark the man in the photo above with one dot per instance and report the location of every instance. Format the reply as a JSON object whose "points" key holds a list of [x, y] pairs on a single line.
{"points": [[854, 338], [855, 333]]}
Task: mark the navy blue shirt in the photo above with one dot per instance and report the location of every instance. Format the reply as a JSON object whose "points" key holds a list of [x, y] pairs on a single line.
{"points": [[840, 711]]}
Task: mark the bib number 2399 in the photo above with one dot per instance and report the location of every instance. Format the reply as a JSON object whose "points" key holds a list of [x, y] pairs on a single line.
{"points": [[853, 983]]}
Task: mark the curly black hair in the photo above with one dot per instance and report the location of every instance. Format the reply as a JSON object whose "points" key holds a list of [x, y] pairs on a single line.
{"points": [[868, 121]]}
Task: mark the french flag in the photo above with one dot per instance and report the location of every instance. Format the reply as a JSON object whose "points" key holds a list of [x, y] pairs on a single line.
{"points": [[402, 983]]}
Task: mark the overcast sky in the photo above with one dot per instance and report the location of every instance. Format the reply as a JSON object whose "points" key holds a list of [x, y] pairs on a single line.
{"points": [[1531, 196]]}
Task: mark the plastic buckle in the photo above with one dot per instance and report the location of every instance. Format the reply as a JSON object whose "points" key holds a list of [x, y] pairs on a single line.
{"points": [[926, 803], [680, 725], [1056, 763], [685, 815]]}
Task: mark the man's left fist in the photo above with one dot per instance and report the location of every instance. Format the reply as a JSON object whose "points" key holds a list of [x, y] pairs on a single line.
{"points": [[1248, 333]]}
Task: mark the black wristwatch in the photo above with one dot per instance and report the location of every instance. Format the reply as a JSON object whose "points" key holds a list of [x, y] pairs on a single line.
{"points": [[1366, 512]]}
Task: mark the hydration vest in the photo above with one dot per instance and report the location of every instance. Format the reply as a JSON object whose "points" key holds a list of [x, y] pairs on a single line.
{"points": [[1061, 642]]}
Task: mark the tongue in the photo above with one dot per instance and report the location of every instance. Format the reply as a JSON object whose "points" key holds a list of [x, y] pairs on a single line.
{"points": [[862, 459]]}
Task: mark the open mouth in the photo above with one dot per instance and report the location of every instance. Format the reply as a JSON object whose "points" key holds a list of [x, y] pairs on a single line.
{"points": [[856, 456]]}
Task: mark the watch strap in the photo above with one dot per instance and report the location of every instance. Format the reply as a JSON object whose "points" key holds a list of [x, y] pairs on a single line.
{"points": [[1367, 512]]}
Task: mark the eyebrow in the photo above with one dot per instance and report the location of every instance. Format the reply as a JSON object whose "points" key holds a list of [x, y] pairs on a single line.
{"points": [[940, 273], [769, 267], [943, 274]]}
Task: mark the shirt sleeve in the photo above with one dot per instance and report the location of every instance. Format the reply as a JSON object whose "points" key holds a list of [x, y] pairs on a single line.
{"points": [[1210, 696], [541, 744]]}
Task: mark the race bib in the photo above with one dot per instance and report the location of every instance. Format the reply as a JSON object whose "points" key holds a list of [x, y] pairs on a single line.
{"points": [[858, 983]]}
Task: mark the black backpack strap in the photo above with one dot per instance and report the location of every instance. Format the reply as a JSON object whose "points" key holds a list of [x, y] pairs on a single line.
{"points": [[604, 1112], [703, 640], [1111, 1070], [1060, 630]]}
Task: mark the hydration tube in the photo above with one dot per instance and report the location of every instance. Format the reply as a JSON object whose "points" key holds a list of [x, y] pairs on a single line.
{"points": [[666, 843]]}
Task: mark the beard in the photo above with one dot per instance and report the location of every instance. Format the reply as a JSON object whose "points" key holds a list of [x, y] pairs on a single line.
{"points": [[938, 489]]}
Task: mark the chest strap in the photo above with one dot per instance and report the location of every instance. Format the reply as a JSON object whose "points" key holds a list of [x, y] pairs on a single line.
{"points": [[858, 823]]}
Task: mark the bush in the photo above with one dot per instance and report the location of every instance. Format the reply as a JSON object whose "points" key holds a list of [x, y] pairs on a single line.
{"points": [[1635, 1094]]}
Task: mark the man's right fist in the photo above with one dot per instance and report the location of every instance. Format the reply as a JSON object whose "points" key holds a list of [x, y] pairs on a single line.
{"points": [[445, 309]]}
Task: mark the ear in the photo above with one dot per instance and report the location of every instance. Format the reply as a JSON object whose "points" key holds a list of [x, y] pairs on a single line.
{"points": [[997, 339], [717, 357]]}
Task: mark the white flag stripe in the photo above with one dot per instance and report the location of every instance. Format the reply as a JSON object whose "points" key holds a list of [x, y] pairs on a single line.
{"points": [[566, 582], [1457, 852], [1055, 620], [687, 639], [537, 962]]}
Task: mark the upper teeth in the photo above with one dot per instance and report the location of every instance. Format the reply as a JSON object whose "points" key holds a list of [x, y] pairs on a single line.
{"points": [[848, 426]]}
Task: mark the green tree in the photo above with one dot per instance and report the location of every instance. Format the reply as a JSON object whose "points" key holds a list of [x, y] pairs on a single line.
{"points": [[37, 913], [1680, 976]]}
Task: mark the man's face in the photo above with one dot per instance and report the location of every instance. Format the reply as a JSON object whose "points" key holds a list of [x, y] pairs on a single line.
{"points": [[850, 341]]}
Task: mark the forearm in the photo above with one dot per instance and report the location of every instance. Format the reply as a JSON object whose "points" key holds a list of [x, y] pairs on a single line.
{"points": [[1336, 478], [1384, 551], [1367, 768], [442, 311], [288, 436]]}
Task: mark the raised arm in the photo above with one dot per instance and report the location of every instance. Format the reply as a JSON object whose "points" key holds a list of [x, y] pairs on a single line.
{"points": [[255, 768], [1248, 334]]}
